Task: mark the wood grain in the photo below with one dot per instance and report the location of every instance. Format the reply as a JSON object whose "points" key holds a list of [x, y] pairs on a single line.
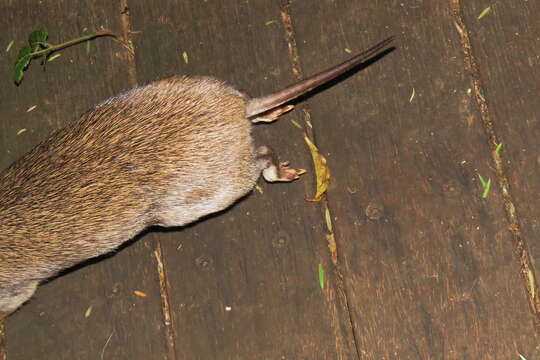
{"points": [[506, 50], [429, 265]]}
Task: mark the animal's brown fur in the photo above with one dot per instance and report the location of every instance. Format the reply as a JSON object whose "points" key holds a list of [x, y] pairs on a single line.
{"points": [[145, 157]]}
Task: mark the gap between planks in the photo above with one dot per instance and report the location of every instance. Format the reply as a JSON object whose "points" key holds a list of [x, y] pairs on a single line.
{"points": [[326, 213], [526, 267]]}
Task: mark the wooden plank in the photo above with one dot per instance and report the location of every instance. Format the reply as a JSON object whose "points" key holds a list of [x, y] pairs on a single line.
{"points": [[90, 313], [243, 284], [429, 265], [505, 44]]}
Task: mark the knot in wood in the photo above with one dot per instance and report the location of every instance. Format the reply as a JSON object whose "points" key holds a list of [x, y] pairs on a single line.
{"points": [[203, 262], [374, 211]]}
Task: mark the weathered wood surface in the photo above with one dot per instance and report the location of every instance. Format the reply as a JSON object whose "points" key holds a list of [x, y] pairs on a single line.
{"points": [[507, 52], [434, 270], [426, 268]]}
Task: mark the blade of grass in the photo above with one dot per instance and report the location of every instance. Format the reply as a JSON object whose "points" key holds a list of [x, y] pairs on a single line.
{"points": [[321, 276], [484, 12], [486, 185], [8, 47]]}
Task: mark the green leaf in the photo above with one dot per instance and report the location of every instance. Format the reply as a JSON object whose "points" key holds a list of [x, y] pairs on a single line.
{"points": [[18, 76], [37, 39], [484, 12], [24, 53], [23, 59], [321, 276], [486, 185], [498, 148], [482, 181], [486, 189]]}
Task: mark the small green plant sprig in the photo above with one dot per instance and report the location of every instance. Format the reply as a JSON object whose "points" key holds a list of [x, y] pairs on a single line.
{"points": [[486, 185], [38, 47]]}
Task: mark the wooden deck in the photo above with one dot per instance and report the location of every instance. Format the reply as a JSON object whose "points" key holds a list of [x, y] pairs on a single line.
{"points": [[424, 267]]}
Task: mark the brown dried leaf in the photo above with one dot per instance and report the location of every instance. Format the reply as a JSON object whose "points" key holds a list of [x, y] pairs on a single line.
{"points": [[140, 293], [322, 173]]}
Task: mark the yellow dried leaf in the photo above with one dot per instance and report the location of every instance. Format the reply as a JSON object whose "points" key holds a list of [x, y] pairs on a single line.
{"points": [[532, 282], [296, 124], [412, 95], [9, 46], [55, 56], [328, 220], [322, 173]]}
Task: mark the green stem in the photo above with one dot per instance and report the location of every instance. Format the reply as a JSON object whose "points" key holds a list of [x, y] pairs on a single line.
{"points": [[81, 39]]}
